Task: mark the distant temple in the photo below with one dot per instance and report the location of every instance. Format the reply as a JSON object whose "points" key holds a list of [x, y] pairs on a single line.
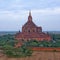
{"points": [[31, 32]]}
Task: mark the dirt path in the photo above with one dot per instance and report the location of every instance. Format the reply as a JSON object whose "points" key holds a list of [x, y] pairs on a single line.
{"points": [[37, 56]]}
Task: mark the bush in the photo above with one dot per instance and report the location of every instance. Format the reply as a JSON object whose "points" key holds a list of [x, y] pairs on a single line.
{"points": [[17, 52]]}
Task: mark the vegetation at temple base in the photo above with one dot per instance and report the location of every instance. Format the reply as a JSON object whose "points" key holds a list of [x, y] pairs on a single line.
{"points": [[17, 52], [7, 43], [35, 43]]}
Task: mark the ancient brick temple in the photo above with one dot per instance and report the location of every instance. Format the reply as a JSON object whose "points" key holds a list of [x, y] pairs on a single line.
{"points": [[32, 32]]}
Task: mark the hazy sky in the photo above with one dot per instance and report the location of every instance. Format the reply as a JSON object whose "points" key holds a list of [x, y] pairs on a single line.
{"points": [[14, 13]]}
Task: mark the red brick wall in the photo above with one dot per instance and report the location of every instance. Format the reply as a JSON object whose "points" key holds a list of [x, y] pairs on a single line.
{"points": [[44, 49]]}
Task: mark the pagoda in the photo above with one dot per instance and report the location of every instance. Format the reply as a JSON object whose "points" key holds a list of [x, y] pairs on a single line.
{"points": [[30, 31]]}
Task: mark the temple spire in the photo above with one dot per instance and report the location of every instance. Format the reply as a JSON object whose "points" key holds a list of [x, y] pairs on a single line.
{"points": [[29, 13], [29, 17]]}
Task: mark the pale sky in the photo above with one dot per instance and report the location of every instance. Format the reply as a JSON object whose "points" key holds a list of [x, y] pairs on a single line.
{"points": [[14, 14]]}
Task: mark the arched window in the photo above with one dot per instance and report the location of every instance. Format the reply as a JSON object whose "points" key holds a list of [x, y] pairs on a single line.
{"points": [[29, 31], [33, 30]]}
